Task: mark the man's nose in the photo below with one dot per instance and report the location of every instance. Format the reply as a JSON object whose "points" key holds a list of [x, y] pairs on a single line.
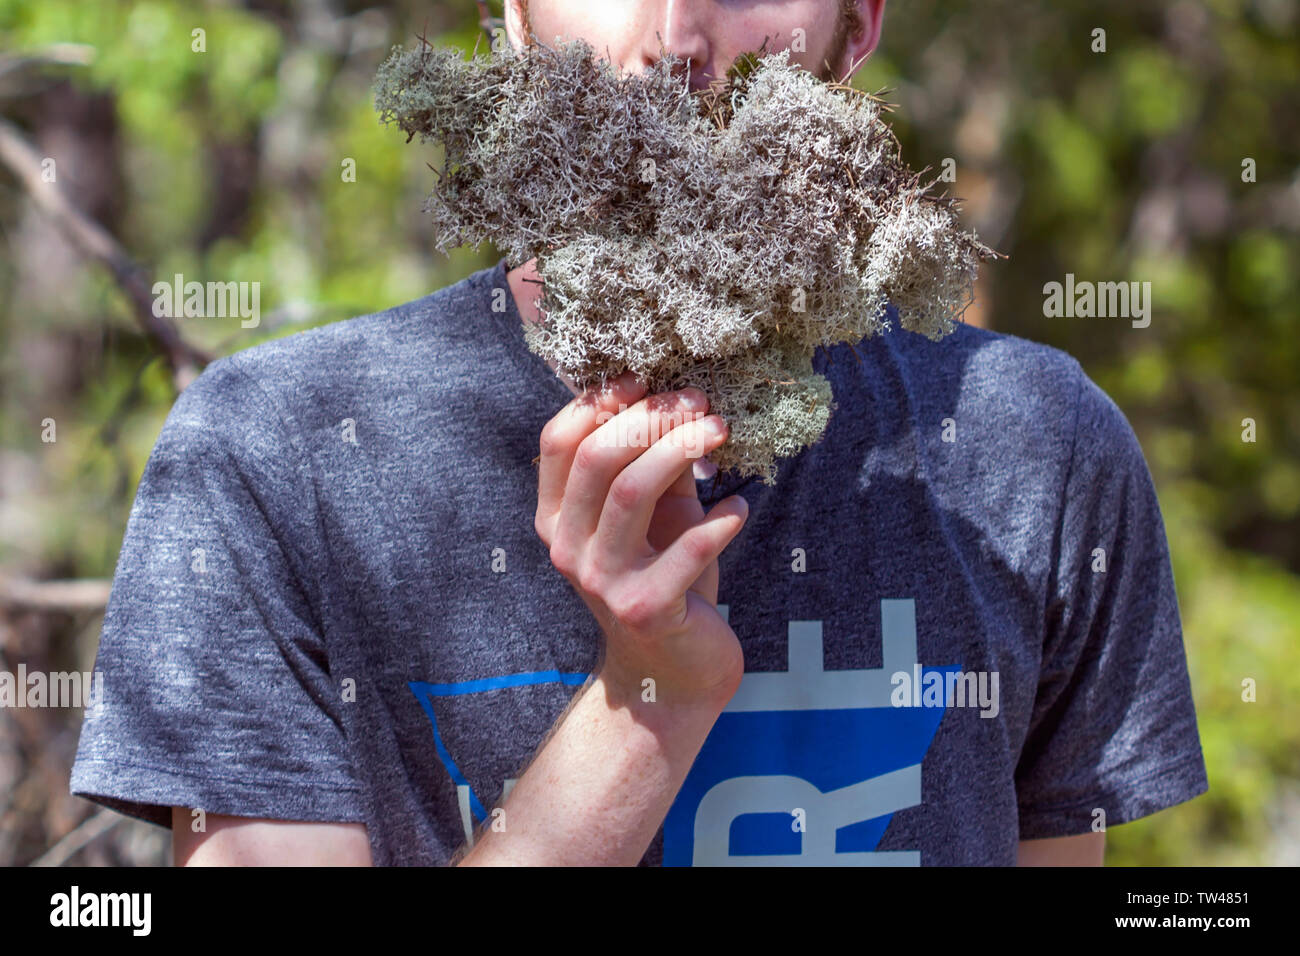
{"points": [[678, 27]]}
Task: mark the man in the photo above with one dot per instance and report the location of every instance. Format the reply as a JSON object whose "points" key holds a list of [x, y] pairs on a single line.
{"points": [[353, 623]]}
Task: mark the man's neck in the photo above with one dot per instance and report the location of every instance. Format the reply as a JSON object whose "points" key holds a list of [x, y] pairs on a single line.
{"points": [[526, 287]]}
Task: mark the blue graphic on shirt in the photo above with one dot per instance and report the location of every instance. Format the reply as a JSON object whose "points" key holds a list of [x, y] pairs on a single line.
{"points": [[425, 693], [806, 767]]}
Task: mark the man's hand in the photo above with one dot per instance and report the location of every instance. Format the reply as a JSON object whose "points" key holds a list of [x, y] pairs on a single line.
{"points": [[617, 507]]}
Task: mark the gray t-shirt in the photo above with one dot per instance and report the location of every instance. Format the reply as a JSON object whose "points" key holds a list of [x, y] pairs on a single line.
{"points": [[957, 609]]}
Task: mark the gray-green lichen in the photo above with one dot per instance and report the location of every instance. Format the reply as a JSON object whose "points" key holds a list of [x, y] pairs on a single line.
{"points": [[711, 238]]}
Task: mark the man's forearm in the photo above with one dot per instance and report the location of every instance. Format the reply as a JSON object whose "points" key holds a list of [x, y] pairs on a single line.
{"points": [[599, 788]]}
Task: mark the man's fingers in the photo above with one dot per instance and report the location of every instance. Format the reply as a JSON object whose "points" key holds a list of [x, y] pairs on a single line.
{"points": [[634, 494], [684, 486], [698, 547], [565, 432], [673, 515], [603, 455]]}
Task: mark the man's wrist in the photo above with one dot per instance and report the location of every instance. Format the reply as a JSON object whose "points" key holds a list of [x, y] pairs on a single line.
{"points": [[634, 689]]}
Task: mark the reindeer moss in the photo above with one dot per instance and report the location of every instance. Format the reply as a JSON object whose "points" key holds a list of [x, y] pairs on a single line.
{"points": [[712, 238]]}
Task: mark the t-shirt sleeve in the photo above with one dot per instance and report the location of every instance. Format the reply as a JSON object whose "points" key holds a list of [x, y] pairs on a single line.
{"points": [[1113, 725], [215, 691]]}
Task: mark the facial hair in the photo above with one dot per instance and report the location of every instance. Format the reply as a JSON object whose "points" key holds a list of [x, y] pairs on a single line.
{"points": [[847, 23]]}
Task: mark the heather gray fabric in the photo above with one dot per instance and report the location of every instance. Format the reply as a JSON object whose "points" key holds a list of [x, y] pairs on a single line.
{"points": [[308, 627]]}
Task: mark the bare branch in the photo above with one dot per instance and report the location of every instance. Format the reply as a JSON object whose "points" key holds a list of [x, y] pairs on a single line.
{"points": [[22, 159], [86, 832], [87, 594], [56, 54]]}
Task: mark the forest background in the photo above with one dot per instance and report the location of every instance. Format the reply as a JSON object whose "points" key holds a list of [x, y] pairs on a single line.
{"points": [[1165, 150]]}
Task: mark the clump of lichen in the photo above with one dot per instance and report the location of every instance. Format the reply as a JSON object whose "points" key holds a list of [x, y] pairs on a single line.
{"points": [[711, 238]]}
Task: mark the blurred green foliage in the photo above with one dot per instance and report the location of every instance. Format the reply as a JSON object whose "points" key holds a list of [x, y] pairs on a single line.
{"points": [[1118, 165], [1128, 165]]}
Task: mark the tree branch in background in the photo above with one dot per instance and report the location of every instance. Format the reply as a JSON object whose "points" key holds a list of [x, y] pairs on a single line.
{"points": [[51, 596], [56, 54], [73, 843], [22, 159]]}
